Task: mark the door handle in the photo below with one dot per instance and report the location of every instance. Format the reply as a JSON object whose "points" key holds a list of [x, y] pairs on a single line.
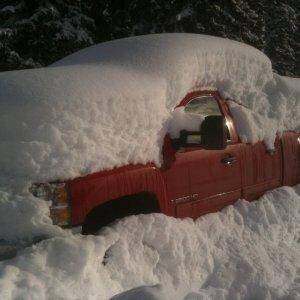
{"points": [[228, 160]]}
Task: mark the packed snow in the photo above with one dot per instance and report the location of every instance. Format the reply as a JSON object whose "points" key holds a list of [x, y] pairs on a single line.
{"points": [[246, 251], [111, 105]]}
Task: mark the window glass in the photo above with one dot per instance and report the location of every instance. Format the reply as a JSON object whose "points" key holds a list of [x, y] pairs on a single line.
{"points": [[203, 105], [193, 139]]}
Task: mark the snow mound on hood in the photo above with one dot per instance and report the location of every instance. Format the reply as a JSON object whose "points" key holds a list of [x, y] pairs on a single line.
{"points": [[109, 105], [247, 251], [62, 122]]}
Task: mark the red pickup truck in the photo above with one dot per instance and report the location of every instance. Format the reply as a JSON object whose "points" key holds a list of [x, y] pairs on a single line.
{"points": [[202, 172]]}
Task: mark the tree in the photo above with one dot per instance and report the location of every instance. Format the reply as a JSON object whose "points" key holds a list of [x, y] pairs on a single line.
{"points": [[281, 36], [36, 33]]}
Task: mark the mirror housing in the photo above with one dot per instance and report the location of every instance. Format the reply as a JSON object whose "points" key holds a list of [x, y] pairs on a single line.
{"points": [[213, 133]]}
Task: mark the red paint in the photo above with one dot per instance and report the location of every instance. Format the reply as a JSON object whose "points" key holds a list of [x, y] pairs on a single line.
{"points": [[291, 157], [92, 190], [261, 170], [194, 181]]}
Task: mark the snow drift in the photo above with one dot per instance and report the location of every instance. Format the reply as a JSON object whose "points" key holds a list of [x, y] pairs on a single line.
{"points": [[110, 104], [247, 251]]}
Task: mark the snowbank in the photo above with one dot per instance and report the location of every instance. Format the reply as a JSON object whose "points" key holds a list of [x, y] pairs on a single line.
{"points": [[24, 217], [247, 251]]}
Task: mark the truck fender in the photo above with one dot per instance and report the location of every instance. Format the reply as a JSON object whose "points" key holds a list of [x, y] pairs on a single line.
{"points": [[89, 192]]}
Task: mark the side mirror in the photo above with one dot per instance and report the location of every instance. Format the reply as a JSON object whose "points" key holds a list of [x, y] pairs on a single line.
{"points": [[213, 133]]}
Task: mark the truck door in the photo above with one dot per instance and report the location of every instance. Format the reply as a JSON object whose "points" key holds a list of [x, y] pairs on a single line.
{"points": [[176, 175], [214, 175], [291, 157], [262, 169]]}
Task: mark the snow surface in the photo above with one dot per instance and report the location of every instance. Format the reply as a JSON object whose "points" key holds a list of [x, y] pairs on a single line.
{"points": [[247, 251]]}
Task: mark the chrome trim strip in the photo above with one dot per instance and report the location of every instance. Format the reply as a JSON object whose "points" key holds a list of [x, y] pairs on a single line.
{"points": [[194, 196], [184, 199], [62, 206]]}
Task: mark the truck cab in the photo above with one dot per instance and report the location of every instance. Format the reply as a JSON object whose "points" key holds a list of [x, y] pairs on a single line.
{"points": [[218, 176]]}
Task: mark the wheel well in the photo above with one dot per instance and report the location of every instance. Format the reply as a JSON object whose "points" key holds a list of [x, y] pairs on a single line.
{"points": [[106, 213]]}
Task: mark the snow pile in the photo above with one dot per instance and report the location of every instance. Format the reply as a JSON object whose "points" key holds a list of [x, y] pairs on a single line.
{"points": [[55, 125], [189, 62], [282, 113], [247, 251], [24, 217], [109, 104]]}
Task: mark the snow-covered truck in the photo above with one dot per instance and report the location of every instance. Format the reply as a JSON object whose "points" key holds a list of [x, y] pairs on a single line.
{"points": [[180, 124], [202, 172]]}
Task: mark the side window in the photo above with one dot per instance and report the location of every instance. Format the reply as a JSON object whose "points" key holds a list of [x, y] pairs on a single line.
{"points": [[204, 106]]}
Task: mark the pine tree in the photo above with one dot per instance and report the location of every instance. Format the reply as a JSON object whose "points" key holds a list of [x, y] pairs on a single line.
{"points": [[281, 36], [10, 57], [35, 33]]}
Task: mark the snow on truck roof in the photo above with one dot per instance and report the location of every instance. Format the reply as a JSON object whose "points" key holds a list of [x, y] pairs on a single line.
{"points": [[110, 104]]}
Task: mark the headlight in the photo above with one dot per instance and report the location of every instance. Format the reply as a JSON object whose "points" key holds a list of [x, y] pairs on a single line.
{"points": [[57, 193]]}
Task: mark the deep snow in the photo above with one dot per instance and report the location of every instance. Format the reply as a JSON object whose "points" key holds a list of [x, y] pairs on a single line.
{"points": [[247, 251]]}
